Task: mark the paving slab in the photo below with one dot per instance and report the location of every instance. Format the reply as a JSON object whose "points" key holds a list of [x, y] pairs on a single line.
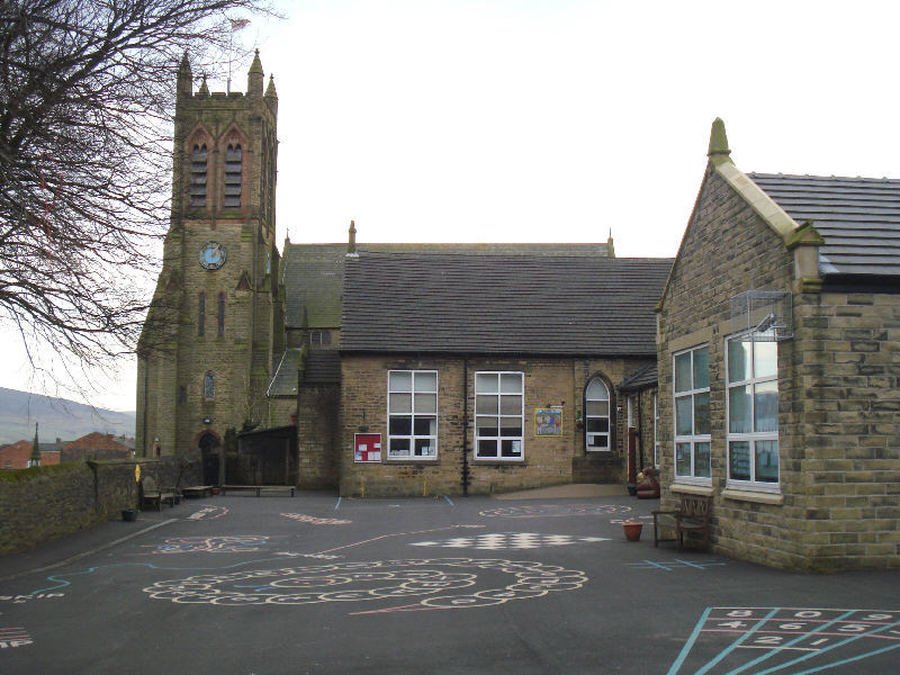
{"points": [[319, 584]]}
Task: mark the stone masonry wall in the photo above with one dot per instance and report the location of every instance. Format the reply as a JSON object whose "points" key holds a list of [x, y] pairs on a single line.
{"points": [[548, 460], [847, 367], [318, 434], [49, 502], [727, 250], [839, 501]]}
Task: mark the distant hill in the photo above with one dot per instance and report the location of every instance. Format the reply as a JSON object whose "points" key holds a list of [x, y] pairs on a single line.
{"points": [[57, 417]]}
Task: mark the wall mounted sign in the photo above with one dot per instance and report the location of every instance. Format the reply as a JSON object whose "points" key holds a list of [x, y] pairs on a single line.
{"points": [[366, 448], [548, 422]]}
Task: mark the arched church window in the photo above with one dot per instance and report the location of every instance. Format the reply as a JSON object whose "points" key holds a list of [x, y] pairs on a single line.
{"points": [[233, 160], [220, 321], [209, 386], [201, 314], [596, 416], [198, 176]]}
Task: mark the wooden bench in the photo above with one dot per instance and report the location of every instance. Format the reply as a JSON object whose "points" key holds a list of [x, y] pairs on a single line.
{"points": [[259, 488], [197, 491], [151, 495], [692, 516]]}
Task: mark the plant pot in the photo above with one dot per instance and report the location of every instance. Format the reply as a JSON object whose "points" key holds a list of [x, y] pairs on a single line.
{"points": [[129, 515], [632, 530], [632, 489]]}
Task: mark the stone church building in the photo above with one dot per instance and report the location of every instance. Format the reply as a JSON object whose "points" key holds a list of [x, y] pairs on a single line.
{"points": [[380, 369]]}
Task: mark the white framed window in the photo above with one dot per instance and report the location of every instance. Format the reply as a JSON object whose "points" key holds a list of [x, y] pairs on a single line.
{"points": [[412, 414], [499, 416], [752, 404], [691, 412], [596, 416]]}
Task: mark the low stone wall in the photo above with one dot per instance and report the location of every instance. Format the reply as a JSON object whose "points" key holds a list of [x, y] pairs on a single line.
{"points": [[48, 502]]}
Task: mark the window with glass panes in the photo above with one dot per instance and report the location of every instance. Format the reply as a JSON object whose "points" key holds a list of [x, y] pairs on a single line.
{"points": [[596, 416], [692, 439], [499, 415], [412, 414], [752, 372]]}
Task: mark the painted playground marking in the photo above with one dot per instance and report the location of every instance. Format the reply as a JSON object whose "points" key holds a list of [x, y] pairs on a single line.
{"points": [[619, 521], [555, 510], [229, 544], [313, 520], [790, 640], [430, 582], [511, 541], [28, 597], [669, 565], [209, 512], [10, 638]]}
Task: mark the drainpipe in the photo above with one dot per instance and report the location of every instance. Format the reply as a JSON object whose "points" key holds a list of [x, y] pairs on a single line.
{"points": [[465, 443]]}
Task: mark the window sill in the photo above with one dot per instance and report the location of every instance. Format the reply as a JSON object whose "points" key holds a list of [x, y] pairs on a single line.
{"points": [[410, 460], [498, 462], [686, 489], [773, 498]]}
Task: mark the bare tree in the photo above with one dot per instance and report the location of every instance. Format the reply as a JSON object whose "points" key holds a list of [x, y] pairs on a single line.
{"points": [[86, 99]]}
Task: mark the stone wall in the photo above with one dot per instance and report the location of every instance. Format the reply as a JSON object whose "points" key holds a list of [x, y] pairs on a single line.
{"points": [[839, 441], [48, 502], [548, 460], [728, 249], [318, 436], [847, 369]]}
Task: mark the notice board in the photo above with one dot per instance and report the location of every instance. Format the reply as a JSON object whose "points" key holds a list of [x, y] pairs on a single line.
{"points": [[367, 448]]}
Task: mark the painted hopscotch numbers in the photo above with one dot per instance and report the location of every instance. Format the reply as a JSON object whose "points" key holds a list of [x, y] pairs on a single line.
{"points": [[10, 638], [555, 510], [313, 520], [516, 541], [670, 565], [431, 584], [229, 544], [791, 640]]}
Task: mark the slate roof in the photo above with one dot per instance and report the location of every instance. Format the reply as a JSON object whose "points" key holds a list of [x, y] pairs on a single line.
{"points": [[859, 219], [644, 377], [284, 382], [323, 366], [313, 273], [501, 304]]}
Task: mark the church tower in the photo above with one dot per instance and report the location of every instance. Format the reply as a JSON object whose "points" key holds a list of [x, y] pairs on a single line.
{"points": [[205, 353]]}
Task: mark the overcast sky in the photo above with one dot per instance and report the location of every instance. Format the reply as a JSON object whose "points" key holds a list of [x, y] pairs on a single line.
{"points": [[553, 120]]}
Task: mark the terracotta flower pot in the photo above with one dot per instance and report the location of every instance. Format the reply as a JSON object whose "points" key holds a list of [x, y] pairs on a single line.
{"points": [[632, 530]]}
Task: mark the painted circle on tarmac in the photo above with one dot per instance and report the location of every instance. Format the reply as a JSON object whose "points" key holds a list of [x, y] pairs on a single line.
{"points": [[435, 583]]}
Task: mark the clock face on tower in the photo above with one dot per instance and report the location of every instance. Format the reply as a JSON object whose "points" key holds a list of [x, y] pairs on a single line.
{"points": [[212, 255]]}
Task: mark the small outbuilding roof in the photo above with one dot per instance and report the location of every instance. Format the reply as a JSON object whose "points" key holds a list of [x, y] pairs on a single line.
{"points": [[645, 377], [859, 219], [501, 304]]}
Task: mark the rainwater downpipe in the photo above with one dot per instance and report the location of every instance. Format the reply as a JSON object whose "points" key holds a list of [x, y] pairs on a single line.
{"points": [[465, 443]]}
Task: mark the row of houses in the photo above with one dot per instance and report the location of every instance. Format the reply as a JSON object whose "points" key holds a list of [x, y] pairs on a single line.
{"points": [[95, 445]]}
